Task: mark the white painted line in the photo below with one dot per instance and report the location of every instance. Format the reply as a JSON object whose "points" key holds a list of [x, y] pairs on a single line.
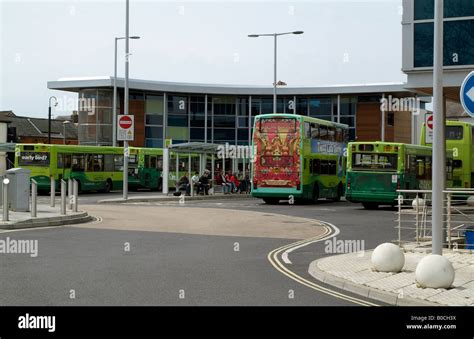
{"points": [[284, 256]]}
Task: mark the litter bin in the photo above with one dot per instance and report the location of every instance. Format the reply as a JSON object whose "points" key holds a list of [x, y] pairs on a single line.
{"points": [[469, 234], [19, 189]]}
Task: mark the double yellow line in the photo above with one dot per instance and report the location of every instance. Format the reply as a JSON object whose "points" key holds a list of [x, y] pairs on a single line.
{"points": [[274, 256]]}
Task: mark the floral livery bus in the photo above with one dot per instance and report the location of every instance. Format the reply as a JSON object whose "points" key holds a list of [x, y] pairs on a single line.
{"points": [[298, 156]]}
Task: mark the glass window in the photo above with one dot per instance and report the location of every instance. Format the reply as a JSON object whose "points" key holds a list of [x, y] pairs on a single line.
{"points": [[177, 133], [224, 105], [390, 119], [109, 164], [64, 160], [423, 45], [154, 119], [267, 105], [320, 107], [256, 109], [177, 120], [153, 132], [242, 107], [224, 121], [78, 163], [374, 161], [242, 134], [118, 162], [323, 132], [424, 9], [197, 134], [454, 132], [458, 8], [307, 129], [34, 159], [458, 38], [302, 106], [224, 135], [197, 108], [177, 104], [314, 131], [154, 104], [154, 143]]}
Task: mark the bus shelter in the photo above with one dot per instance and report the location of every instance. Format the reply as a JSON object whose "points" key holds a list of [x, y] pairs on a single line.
{"points": [[211, 157]]}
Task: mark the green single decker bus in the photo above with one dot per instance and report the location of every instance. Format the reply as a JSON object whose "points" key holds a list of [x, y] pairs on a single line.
{"points": [[298, 156], [459, 139], [376, 170], [95, 168], [99, 168]]}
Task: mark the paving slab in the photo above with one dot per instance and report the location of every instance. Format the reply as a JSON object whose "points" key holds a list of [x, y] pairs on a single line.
{"points": [[355, 273]]}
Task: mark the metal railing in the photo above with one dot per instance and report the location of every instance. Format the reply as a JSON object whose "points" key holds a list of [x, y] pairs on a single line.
{"points": [[414, 217]]}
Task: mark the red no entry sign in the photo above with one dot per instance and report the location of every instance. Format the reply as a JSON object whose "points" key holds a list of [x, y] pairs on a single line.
{"points": [[429, 122], [125, 122]]}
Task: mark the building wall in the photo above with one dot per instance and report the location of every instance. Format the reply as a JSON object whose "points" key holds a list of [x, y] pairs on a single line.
{"points": [[41, 140]]}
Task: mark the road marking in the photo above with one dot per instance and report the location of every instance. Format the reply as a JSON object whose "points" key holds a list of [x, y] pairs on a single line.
{"points": [[30, 229], [285, 254], [274, 260]]}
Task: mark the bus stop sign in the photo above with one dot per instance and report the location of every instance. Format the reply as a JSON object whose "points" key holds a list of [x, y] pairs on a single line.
{"points": [[467, 94]]}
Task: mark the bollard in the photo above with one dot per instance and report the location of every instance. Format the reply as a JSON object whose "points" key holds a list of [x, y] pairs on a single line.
{"points": [[53, 192], [6, 181], [75, 192], [63, 197], [69, 193], [34, 194]]}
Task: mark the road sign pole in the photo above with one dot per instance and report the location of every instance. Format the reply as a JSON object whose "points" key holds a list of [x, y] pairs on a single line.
{"points": [[438, 133], [125, 143]]}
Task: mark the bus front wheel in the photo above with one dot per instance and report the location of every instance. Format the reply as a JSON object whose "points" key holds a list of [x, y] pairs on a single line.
{"points": [[271, 201], [108, 186], [370, 205]]}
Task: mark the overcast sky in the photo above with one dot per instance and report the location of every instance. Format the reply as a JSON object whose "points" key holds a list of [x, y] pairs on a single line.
{"points": [[345, 42]]}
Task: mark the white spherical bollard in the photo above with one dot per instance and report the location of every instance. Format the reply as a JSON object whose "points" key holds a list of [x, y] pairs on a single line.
{"points": [[470, 201], [418, 201], [388, 257], [435, 271]]}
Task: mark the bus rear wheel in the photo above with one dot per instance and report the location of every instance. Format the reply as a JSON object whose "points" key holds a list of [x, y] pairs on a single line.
{"points": [[370, 205], [271, 201], [339, 194]]}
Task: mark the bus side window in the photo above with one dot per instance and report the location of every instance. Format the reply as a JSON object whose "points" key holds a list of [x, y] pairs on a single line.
{"points": [[331, 134], [159, 163], [307, 130], [420, 168], [147, 161], [109, 163], [339, 135], [314, 131], [98, 162], [78, 163], [118, 163], [153, 162], [323, 132], [311, 166], [60, 160]]}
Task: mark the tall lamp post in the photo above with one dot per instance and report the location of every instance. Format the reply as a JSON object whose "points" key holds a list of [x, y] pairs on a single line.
{"points": [[49, 116], [114, 104], [66, 122], [274, 35]]}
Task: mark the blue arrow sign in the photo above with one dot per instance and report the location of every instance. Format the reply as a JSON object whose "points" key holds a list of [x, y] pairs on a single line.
{"points": [[467, 94]]}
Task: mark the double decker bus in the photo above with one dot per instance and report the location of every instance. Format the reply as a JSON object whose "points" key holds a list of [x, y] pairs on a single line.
{"points": [[459, 139], [298, 156], [376, 170]]}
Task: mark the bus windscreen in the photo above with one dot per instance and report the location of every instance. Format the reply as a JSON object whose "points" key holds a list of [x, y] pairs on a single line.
{"points": [[33, 159], [374, 161]]}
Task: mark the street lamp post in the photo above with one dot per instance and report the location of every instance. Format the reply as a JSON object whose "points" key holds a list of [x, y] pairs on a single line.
{"points": [[49, 116], [274, 35], [114, 104], [125, 143], [64, 130]]}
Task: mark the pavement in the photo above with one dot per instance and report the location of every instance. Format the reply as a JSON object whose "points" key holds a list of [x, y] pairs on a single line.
{"points": [[170, 197], [353, 272], [46, 216]]}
